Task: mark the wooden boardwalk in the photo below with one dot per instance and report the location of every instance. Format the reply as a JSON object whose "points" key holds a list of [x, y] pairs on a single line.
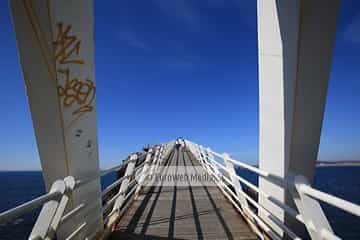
{"points": [[182, 212]]}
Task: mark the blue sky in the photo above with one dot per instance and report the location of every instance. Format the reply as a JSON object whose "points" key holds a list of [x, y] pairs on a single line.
{"points": [[181, 68]]}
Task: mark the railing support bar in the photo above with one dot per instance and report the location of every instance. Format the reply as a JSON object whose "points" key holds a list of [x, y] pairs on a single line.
{"points": [[310, 210], [235, 182], [47, 213], [123, 189], [145, 169]]}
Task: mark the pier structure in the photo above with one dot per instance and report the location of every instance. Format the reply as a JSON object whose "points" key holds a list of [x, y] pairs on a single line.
{"points": [[55, 39]]}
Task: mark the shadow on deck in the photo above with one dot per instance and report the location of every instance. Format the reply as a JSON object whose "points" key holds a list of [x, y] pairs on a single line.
{"points": [[182, 212]]}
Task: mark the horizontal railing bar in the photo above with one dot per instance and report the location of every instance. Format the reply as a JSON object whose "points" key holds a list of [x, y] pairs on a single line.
{"points": [[244, 165], [109, 203], [28, 206], [112, 200], [332, 200], [112, 186], [129, 193], [74, 233], [127, 204], [234, 204], [140, 166], [72, 212], [270, 215], [335, 201], [274, 179], [289, 182], [255, 217], [107, 171], [132, 183], [249, 211], [285, 207], [231, 200]]}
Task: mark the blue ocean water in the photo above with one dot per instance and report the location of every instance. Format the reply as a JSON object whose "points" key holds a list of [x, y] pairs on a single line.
{"points": [[19, 187], [343, 182]]}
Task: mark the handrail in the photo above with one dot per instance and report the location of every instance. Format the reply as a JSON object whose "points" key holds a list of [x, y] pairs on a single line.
{"points": [[261, 223], [55, 201], [271, 216], [297, 183], [107, 171], [28, 206], [76, 231], [112, 186], [51, 215], [335, 201], [325, 197], [292, 212], [274, 179], [72, 212]]}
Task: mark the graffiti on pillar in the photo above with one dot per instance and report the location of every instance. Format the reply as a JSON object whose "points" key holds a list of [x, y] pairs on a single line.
{"points": [[66, 46], [80, 93], [75, 93]]}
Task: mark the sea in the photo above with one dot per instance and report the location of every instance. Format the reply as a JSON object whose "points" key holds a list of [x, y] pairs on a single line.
{"points": [[344, 182]]}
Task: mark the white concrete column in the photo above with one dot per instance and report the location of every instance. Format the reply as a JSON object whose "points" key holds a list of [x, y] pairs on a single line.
{"points": [[295, 47], [56, 47]]}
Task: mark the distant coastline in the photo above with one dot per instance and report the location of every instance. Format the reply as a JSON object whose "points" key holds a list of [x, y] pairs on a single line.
{"points": [[354, 163], [346, 163]]}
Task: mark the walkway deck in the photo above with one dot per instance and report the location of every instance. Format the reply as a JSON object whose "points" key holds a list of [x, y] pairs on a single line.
{"points": [[191, 212]]}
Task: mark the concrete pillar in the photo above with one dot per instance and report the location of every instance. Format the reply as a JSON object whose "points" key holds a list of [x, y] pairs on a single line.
{"points": [[56, 47], [295, 47]]}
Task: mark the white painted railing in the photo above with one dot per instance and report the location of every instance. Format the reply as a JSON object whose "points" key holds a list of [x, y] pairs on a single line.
{"points": [[54, 203], [51, 214], [308, 212]]}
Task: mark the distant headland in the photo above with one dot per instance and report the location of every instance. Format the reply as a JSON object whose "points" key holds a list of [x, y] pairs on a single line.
{"points": [[338, 163]]}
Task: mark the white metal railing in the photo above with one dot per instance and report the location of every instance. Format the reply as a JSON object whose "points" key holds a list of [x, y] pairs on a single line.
{"points": [[50, 217], [310, 213], [130, 184], [54, 203]]}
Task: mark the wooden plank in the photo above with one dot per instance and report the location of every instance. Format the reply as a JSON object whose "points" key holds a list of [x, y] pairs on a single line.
{"points": [[182, 212]]}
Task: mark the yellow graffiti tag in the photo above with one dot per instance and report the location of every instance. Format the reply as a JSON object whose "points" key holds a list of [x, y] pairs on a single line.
{"points": [[65, 46], [75, 91]]}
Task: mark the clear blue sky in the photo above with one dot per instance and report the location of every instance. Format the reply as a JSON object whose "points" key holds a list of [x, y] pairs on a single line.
{"points": [[181, 68]]}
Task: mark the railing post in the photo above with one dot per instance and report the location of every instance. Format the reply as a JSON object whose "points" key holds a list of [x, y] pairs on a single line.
{"points": [[146, 167], [310, 210], [47, 213], [198, 152], [162, 154], [123, 188], [201, 155], [192, 147], [154, 162], [205, 159], [235, 182], [70, 185], [208, 156]]}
